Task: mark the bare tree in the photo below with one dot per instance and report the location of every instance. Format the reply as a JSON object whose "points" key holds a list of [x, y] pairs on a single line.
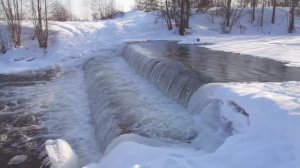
{"points": [[293, 5], [253, 6], [187, 14], [103, 9], [177, 12], [182, 18], [260, 20], [33, 16], [148, 5], [166, 13], [230, 13], [59, 12], [13, 13], [40, 9], [274, 4], [203, 5]]}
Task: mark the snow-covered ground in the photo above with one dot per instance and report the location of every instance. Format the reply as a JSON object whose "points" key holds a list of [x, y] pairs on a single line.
{"points": [[268, 138], [75, 42]]}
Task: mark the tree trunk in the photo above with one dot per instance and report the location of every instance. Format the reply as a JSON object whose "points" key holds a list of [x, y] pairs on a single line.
{"points": [[262, 14], [168, 16], [188, 13], [253, 5], [41, 27], [182, 23], [292, 17], [274, 11], [228, 12], [13, 12]]}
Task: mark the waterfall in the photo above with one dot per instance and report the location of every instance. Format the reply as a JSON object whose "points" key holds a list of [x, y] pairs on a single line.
{"points": [[170, 76], [118, 108], [179, 70]]}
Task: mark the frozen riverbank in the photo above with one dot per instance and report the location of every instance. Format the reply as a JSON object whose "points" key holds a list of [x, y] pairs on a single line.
{"points": [[270, 139]]}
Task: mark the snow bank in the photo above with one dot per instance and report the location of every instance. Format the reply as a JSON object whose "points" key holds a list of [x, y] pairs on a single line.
{"points": [[269, 139]]}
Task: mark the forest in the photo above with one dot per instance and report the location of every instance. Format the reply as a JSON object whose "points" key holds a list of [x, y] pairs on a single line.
{"points": [[175, 13]]}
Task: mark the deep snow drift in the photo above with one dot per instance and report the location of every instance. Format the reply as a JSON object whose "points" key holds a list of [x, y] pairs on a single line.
{"points": [[267, 138]]}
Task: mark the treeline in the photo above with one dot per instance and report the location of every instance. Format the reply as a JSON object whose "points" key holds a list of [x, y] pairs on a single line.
{"points": [[177, 12], [39, 12], [103, 9]]}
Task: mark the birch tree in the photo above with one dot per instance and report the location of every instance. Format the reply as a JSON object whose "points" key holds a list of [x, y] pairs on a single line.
{"points": [[40, 10], [13, 13]]}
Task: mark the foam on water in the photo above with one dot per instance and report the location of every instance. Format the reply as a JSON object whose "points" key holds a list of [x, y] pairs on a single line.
{"points": [[122, 102], [171, 77], [67, 115], [37, 108]]}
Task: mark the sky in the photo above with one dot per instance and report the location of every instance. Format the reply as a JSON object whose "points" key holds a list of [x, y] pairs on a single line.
{"points": [[81, 7], [125, 5]]}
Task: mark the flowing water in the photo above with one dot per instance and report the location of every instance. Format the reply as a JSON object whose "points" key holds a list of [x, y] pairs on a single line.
{"points": [[90, 108], [40, 105], [20, 115], [179, 70], [122, 103]]}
